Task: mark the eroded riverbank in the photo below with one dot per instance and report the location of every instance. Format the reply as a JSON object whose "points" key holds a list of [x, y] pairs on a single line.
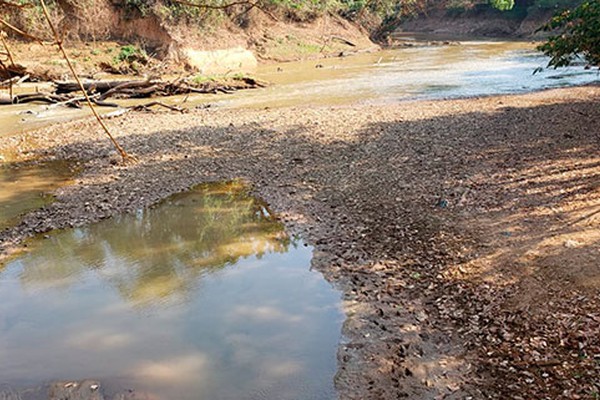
{"points": [[421, 212]]}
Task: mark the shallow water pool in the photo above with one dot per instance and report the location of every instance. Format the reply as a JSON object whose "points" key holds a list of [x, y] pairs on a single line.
{"points": [[201, 297], [26, 186]]}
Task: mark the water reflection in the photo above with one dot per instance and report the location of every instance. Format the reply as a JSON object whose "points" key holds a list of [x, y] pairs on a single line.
{"points": [[201, 297], [167, 248]]}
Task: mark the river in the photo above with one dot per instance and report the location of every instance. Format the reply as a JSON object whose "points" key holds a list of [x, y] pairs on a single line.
{"points": [[421, 71]]}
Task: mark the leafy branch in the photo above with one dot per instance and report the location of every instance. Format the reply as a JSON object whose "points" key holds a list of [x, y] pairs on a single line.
{"points": [[578, 34]]}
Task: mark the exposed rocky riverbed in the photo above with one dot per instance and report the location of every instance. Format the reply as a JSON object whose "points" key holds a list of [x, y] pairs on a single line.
{"points": [[450, 226]]}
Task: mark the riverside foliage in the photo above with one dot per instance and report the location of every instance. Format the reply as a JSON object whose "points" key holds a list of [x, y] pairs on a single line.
{"points": [[578, 35]]}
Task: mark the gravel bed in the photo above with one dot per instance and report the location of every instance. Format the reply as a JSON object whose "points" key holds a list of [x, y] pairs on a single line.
{"points": [[404, 205]]}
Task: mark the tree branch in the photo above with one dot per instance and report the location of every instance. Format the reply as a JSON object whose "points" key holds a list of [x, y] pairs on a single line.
{"points": [[22, 33], [248, 3], [15, 5], [8, 52], [58, 41]]}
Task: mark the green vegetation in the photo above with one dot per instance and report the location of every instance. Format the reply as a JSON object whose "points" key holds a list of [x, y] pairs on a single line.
{"points": [[578, 35], [521, 7], [502, 5], [130, 59], [297, 10], [200, 79], [131, 53], [576, 25], [577, 30]]}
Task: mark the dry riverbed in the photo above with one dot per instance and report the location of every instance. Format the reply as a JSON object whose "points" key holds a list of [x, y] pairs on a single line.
{"points": [[463, 233]]}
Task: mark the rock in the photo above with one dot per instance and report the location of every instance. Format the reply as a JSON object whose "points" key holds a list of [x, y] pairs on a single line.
{"points": [[572, 244], [82, 390]]}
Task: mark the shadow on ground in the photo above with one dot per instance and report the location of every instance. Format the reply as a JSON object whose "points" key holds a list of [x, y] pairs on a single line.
{"points": [[461, 241]]}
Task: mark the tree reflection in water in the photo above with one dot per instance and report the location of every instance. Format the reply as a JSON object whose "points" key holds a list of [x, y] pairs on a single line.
{"points": [[160, 254]]}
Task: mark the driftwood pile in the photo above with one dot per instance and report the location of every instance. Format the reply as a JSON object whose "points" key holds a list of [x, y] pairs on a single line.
{"points": [[70, 95]]}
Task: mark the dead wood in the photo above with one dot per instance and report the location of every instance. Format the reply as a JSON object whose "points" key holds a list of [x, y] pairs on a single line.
{"points": [[31, 97], [37, 97], [70, 93], [150, 88], [146, 107], [342, 40], [14, 81], [58, 41], [8, 82], [105, 103], [21, 32], [249, 5], [90, 87], [10, 71]]}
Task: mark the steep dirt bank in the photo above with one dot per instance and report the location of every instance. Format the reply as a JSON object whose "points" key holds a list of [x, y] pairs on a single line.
{"points": [[491, 24], [463, 233], [225, 46]]}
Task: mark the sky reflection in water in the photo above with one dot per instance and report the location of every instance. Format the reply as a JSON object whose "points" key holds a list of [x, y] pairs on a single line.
{"points": [[202, 297]]}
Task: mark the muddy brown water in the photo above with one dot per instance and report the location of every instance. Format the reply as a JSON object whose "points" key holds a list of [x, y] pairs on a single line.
{"points": [[27, 186], [463, 69], [201, 297]]}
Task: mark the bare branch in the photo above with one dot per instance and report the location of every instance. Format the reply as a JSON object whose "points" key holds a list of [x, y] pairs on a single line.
{"points": [[22, 33], [146, 107], [58, 41], [8, 52], [15, 5], [250, 5]]}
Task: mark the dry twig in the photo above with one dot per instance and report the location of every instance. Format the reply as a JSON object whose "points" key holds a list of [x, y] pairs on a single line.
{"points": [[7, 49], [22, 33], [250, 5], [146, 107], [58, 41]]}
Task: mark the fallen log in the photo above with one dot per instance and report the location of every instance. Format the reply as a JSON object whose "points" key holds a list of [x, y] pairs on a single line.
{"points": [[147, 88], [66, 93], [342, 40], [5, 99], [93, 86], [40, 96], [74, 102], [9, 82], [10, 71], [130, 87], [23, 79], [105, 104]]}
